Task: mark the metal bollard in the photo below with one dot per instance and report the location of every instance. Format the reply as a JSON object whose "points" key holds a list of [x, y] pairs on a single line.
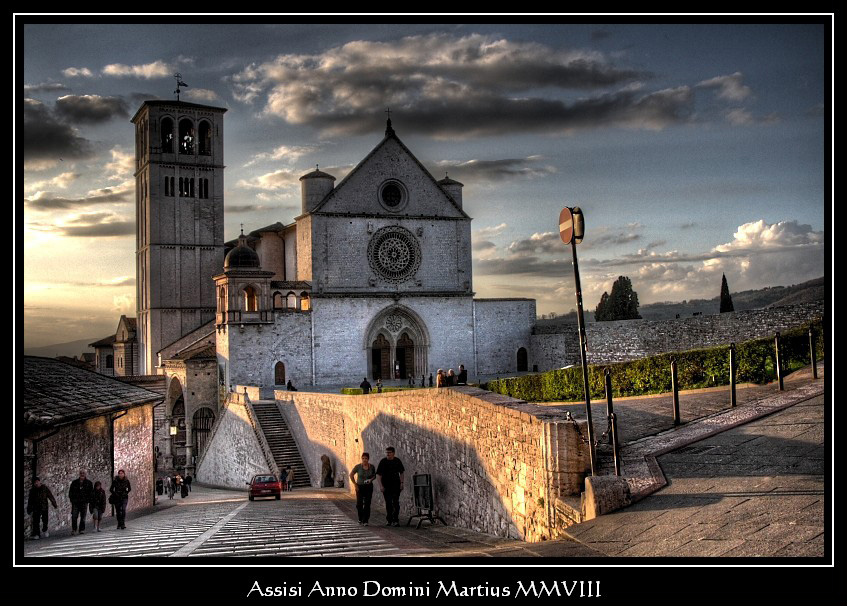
{"points": [[675, 387], [732, 363], [778, 364], [615, 447], [609, 409], [813, 353]]}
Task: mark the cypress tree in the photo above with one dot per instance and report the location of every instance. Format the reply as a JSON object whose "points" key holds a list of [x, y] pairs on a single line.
{"points": [[726, 300], [621, 304]]}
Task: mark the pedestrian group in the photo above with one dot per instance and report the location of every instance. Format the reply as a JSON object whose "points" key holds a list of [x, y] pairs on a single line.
{"points": [[85, 498]]}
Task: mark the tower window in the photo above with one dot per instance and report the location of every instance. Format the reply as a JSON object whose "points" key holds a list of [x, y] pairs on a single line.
{"points": [[205, 139], [167, 136], [186, 136]]}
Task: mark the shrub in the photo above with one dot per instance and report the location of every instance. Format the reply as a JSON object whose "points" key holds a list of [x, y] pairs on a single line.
{"points": [[755, 359]]}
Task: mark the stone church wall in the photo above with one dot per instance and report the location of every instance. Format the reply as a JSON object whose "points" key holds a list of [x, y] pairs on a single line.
{"points": [[502, 327], [492, 459], [624, 340], [341, 254], [341, 324]]}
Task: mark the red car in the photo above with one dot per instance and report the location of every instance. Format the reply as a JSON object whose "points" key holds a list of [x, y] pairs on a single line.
{"points": [[265, 485]]}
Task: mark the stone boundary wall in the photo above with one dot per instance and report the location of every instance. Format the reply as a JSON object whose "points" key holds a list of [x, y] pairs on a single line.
{"points": [[233, 454], [496, 463], [623, 340]]}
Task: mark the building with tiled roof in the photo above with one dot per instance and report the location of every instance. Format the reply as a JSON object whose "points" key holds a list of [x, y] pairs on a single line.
{"points": [[72, 419]]}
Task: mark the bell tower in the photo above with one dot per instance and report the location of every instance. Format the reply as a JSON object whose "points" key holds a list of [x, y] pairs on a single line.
{"points": [[179, 184]]}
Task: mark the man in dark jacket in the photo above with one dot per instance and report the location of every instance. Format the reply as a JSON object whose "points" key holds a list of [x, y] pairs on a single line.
{"points": [[80, 495], [389, 472], [366, 386], [120, 492], [37, 505]]}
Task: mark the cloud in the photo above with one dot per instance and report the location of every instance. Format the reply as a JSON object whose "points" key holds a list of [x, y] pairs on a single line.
{"points": [[287, 178], [497, 170], [246, 208], [202, 95], [286, 154], [444, 85], [490, 232], [61, 181], [108, 229], [91, 109], [122, 165], [74, 72], [157, 69], [47, 139], [44, 200], [760, 254], [729, 88], [44, 87]]}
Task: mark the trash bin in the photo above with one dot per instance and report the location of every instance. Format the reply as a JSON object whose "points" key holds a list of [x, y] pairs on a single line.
{"points": [[160, 486]]}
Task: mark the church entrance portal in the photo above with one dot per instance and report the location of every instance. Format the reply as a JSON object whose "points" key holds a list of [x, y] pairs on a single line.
{"points": [[397, 343]]}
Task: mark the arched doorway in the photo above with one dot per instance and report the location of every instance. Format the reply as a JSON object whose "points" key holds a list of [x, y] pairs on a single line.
{"points": [[279, 374], [381, 358], [179, 433], [201, 427], [404, 357], [397, 344], [523, 364]]}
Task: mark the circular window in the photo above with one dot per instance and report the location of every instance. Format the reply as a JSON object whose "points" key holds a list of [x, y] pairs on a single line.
{"points": [[394, 253], [392, 195]]}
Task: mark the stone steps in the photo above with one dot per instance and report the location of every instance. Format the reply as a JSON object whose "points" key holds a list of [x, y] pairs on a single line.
{"points": [[281, 442]]}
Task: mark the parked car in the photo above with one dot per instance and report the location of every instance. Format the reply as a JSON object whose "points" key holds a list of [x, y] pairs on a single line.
{"points": [[265, 485]]}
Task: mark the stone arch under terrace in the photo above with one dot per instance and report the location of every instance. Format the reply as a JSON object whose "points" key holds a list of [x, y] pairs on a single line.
{"points": [[396, 344]]}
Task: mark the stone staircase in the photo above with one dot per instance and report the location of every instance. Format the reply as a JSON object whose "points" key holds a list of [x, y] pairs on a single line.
{"points": [[281, 442]]}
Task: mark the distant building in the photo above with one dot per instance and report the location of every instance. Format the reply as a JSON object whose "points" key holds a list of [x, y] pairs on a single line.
{"points": [[77, 419], [117, 355]]}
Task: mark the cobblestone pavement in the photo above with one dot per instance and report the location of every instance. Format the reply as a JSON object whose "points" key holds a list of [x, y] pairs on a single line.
{"points": [[310, 522], [756, 490]]}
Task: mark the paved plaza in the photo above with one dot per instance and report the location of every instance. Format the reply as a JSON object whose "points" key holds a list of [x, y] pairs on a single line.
{"points": [[747, 481]]}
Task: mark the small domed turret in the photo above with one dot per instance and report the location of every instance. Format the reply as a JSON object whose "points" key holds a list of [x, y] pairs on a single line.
{"points": [[242, 256], [314, 187], [453, 188]]}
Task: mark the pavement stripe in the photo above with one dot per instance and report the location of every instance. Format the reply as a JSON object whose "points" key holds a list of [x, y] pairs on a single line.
{"points": [[206, 535]]}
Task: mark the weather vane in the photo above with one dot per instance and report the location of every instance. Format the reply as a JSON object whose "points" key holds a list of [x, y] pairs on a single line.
{"points": [[179, 83]]}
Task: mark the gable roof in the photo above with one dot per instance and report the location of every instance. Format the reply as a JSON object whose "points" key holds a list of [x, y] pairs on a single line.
{"points": [[389, 136], [56, 393]]}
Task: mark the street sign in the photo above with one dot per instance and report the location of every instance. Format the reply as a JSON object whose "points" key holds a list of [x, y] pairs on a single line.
{"points": [[566, 225]]}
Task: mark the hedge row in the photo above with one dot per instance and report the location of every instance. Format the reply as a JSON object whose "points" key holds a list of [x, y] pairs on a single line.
{"points": [[357, 391], [756, 363]]}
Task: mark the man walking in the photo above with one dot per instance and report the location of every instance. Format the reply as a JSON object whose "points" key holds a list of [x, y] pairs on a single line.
{"points": [[37, 505], [366, 387], [120, 492], [80, 495], [390, 474]]}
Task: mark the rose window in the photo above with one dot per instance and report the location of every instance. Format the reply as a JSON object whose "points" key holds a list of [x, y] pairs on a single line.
{"points": [[394, 253]]}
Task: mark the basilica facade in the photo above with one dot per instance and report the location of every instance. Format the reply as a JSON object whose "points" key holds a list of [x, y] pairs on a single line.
{"points": [[372, 279]]}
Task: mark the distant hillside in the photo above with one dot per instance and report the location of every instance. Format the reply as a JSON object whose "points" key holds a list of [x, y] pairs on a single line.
{"points": [[774, 296], [70, 349]]}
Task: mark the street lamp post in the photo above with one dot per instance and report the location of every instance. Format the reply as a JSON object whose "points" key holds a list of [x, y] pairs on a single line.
{"points": [[572, 229]]}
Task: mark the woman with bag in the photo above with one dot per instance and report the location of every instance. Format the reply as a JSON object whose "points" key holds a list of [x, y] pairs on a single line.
{"points": [[120, 496]]}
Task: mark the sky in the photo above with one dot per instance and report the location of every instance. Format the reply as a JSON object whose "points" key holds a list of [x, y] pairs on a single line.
{"points": [[693, 150]]}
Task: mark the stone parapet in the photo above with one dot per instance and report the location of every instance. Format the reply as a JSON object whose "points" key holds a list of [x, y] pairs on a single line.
{"points": [[496, 463]]}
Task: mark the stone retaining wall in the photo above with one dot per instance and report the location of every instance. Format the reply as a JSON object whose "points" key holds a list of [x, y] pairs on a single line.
{"points": [[496, 463], [624, 340]]}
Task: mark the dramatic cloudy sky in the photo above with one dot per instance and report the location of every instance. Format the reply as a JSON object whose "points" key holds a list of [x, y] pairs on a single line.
{"points": [[693, 150]]}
